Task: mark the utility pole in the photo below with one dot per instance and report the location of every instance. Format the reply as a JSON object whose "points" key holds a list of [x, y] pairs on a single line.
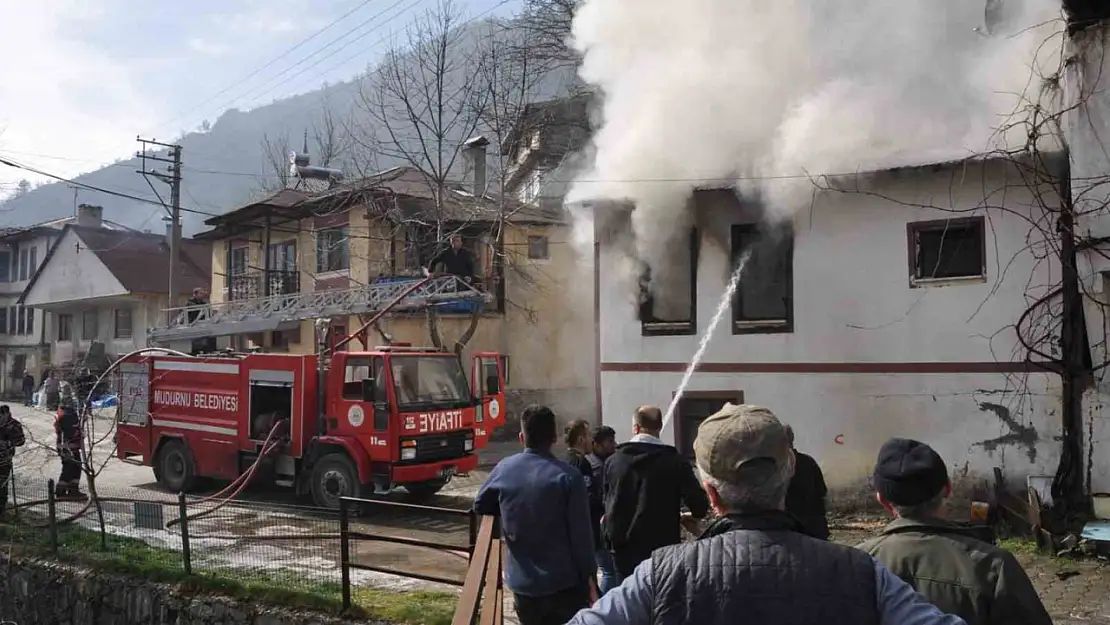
{"points": [[172, 177]]}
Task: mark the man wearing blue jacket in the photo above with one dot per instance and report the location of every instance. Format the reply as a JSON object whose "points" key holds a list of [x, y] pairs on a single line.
{"points": [[545, 525]]}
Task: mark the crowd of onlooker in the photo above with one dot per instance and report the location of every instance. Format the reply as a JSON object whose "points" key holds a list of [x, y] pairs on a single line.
{"points": [[597, 538]]}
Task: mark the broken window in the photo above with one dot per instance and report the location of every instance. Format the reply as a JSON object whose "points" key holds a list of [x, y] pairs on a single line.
{"points": [[764, 300], [673, 312], [947, 249]]}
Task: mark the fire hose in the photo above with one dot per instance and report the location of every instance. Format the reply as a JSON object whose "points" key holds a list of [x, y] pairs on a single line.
{"points": [[240, 483]]}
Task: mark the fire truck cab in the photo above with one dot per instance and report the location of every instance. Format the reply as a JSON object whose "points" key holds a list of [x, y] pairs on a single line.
{"points": [[365, 422]]}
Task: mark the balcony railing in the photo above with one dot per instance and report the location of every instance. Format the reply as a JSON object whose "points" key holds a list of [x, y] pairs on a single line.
{"points": [[253, 284]]}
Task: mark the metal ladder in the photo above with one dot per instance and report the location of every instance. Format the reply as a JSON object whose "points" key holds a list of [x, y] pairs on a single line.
{"points": [[264, 314]]}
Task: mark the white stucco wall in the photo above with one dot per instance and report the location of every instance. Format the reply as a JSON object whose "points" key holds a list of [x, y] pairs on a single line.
{"points": [[73, 273], [853, 304]]}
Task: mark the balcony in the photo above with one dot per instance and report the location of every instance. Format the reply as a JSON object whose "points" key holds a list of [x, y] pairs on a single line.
{"points": [[253, 284]]}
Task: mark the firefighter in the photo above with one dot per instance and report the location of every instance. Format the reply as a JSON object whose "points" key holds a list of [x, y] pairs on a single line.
{"points": [[70, 437]]}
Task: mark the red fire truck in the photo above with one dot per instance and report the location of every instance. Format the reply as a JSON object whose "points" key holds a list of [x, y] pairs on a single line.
{"points": [[365, 422]]}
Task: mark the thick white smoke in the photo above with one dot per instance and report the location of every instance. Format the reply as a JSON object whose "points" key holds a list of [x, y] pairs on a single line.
{"points": [[764, 92]]}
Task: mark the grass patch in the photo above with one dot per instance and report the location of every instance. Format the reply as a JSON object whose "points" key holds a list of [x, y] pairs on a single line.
{"points": [[135, 558], [1019, 546]]}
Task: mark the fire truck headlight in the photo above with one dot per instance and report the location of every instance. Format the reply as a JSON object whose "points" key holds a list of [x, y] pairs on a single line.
{"points": [[408, 453], [468, 444]]}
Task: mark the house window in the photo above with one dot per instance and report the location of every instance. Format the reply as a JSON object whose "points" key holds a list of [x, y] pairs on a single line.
{"points": [[238, 261], [20, 320], [29, 325], [948, 249], [283, 256], [34, 262], [23, 264], [13, 320], [695, 407], [505, 369], [19, 366], [65, 327], [5, 267], [90, 329], [3, 321], [332, 250], [123, 323], [537, 248], [676, 313], [764, 300]]}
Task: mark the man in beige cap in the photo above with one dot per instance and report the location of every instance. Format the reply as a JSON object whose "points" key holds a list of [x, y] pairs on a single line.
{"points": [[754, 564]]}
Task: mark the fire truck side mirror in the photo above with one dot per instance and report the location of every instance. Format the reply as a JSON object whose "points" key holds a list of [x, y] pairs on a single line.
{"points": [[369, 389], [493, 385]]}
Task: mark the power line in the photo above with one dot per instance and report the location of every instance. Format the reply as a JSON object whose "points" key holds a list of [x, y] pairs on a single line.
{"points": [[270, 63]]}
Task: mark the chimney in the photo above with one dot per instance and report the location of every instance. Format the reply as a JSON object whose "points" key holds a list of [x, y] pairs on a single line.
{"points": [[475, 154], [89, 216]]}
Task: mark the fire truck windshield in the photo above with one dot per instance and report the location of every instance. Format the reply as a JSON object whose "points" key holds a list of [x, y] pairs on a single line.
{"points": [[425, 382]]}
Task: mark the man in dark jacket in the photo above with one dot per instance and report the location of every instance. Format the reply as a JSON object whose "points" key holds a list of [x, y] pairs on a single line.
{"points": [[806, 497], [455, 260], [545, 522], [604, 445], [70, 440], [945, 561], [579, 448], [28, 389], [646, 484], [11, 436], [755, 565]]}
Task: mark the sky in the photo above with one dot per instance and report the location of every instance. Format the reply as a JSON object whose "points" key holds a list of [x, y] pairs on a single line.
{"points": [[83, 78]]}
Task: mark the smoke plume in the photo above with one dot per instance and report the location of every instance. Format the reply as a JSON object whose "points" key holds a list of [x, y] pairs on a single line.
{"points": [[762, 93]]}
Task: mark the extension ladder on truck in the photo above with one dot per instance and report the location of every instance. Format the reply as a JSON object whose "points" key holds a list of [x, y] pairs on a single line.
{"points": [[264, 314]]}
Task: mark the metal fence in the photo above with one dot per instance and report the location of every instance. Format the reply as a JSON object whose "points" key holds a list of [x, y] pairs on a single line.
{"points": [[369, 543]]}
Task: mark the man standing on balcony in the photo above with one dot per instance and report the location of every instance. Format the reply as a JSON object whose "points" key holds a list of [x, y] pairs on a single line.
{"points": [[200, 298], [455, 260]]}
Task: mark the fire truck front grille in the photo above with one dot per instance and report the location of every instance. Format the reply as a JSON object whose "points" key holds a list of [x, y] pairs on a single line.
{"points": [[435, 447]]}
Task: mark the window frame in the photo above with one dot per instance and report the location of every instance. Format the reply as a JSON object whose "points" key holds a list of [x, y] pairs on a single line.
{"points": [[913, 230], [655, 327], [116, 323], [29, 324], [6, 267], [23, 264], [94, 315], [324, 249], [539, 239], [762, 326], [20, 321], [680, 442], [237, 269], [67, 335]]}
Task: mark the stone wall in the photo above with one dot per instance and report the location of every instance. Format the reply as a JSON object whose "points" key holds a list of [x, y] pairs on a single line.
{"points": [[42, 593]]}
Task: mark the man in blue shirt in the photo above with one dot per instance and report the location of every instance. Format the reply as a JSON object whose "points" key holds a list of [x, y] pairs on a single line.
{"points": [[755, 565], [545, 523]]}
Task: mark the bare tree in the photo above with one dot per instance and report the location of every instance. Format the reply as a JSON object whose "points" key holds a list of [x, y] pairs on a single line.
{"points": [[547, 26], [276, 151], [425, 99]]}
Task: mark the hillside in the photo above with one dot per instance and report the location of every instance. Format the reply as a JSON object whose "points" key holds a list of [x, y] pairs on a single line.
{"points": [[227, 165]]}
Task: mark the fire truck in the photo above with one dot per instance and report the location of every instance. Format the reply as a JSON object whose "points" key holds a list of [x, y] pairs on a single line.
{"points": [[331, 424]]}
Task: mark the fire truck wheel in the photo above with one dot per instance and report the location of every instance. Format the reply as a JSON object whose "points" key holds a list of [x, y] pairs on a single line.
{"points": [[334, 476], [425, 490], [176, 471]]}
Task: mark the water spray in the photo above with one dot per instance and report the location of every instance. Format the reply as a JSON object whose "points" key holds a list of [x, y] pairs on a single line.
{"points": [[703, 345]]}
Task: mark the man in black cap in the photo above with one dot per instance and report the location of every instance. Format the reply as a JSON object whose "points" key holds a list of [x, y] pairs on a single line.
{"points": [[944, 561]]}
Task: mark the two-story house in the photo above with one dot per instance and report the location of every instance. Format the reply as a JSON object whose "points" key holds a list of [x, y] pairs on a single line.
{"points": [[388, 227], [23, 343], [106, 287]]}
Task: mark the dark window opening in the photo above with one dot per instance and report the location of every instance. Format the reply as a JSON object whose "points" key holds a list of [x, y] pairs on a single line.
{"points": [[947, 249], [764, 299], [332, 250], [695, 407], [678, 316], [537, 248]]}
